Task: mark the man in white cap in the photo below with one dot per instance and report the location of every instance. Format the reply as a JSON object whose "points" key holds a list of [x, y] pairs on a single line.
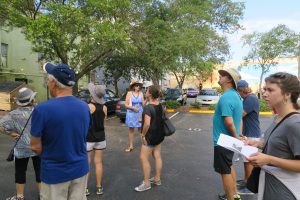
{"points": [[12, 124], [227, 120], [59, 130]]}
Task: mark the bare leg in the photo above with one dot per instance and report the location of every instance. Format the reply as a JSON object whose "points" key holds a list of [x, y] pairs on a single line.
{"points": [[131, 137], [144, 158], [20, 189], [98, 166], [248, 169], [158, 161], [229, 184], [89, 159]]}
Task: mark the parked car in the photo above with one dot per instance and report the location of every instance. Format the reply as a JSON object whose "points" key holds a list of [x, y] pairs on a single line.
{"points": [[176, 95], [208, 96], [110, 99], [191, 92], [121, 109]]}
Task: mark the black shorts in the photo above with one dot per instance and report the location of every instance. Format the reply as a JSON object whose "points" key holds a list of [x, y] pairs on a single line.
{"points": [[222, 160]]}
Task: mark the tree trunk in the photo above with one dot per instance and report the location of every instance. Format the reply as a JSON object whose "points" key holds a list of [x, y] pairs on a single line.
{"points": [[155, 77], [260, 81], [75, 89], [116, 86]]}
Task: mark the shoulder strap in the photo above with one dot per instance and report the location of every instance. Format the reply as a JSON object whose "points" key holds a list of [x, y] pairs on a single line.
{"points": [[285, 117]]}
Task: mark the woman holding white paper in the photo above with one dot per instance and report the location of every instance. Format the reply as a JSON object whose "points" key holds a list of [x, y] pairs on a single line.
{"points": [[280, 174]]}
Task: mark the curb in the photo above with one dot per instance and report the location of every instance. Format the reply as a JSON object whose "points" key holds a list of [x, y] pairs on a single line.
{"points": [[211, 112]]}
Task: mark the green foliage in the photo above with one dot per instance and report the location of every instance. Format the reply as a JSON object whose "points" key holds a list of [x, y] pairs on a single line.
{"points": [[212, 106], [265, 47], [196, 105], [263, 107], [219, 90], [148, 37], [172, 104], [79, 33]]}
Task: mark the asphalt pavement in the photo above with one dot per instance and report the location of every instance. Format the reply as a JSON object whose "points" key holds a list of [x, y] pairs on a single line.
{"points": [[187, 164]]}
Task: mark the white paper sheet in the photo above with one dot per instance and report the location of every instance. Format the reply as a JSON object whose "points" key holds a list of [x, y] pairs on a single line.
{"points": [[236, 145]]}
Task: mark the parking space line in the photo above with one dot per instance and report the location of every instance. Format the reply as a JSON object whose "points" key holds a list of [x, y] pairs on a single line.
{"points": [[173, 115]]}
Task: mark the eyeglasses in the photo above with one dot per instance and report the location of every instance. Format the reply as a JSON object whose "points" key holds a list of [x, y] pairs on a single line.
{"points": [[136, 85]]}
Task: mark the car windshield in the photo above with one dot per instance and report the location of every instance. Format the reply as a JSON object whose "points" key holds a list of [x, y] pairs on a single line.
{"points": [[209, 92], [192, 89], [173, 92]]}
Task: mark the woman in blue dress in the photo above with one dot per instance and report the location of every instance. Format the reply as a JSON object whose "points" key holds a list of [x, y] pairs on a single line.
{"points": [[134, 103]]}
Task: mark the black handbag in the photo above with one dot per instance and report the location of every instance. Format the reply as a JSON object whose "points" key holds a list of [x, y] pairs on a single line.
{"points": [[253, 180], [11, 155], [168, 127]]}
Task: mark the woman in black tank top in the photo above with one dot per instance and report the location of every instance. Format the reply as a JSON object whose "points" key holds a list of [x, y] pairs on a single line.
{"points": [[96, 136]]}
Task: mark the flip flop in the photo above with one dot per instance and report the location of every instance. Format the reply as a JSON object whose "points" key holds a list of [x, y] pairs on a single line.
{"points": [[129, 149]]}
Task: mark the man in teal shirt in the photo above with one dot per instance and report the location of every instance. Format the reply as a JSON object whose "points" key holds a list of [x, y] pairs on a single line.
{"points": [[227, 120]]}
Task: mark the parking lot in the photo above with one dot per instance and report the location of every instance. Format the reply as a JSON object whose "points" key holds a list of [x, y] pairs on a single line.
{"points": [[187, 164]]}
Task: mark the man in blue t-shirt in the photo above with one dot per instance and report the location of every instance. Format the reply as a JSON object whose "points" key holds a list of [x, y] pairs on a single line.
{"points": [[227, 120], [59, 130], [251, 125]]}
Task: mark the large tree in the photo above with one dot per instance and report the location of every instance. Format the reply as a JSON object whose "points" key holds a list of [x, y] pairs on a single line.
{"points": [[178, 35], [81, 33], [266, 47], [87, 33]]}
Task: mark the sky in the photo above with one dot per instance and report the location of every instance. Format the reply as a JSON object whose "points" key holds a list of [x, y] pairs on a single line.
{"points": [[261, 16]]}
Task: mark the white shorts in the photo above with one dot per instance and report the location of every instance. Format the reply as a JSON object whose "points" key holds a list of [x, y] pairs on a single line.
{"points": [[90, 146]]}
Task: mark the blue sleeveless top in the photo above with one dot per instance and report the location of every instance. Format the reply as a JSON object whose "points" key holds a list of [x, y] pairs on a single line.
{"points": [[133, 119]]}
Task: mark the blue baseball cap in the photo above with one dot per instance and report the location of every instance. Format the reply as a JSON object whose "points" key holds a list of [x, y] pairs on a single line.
{"points": [[62, 72], [242, 83]]}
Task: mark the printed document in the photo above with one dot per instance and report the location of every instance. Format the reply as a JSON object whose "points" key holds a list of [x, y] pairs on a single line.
{"points": [[236, 145]]}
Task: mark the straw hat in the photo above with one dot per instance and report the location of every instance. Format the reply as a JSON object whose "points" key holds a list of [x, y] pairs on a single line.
{"points": [[97, 92], [135, 82], [235, 75], [25, 96]]}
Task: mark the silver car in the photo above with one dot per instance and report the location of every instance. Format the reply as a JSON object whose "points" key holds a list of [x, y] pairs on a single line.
{"points": [[208, 96]]}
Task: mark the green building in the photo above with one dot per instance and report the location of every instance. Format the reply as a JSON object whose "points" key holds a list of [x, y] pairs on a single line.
{"points": [[19, 63]]}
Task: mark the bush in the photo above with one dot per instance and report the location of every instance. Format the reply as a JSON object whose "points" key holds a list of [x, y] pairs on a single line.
{"points": [[196, 105], [212, 107], [263, 106], [172, 104]]}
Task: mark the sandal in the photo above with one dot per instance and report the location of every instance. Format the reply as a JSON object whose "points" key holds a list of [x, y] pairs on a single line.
{"points": [[129, 149]]}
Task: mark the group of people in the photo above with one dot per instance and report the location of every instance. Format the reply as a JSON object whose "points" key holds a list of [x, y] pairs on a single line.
{"points": [[62, 134], [237, 115]]}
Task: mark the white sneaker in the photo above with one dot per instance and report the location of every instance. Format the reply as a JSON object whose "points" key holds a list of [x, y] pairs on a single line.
{"points": [[142, 187], [155, 182]]}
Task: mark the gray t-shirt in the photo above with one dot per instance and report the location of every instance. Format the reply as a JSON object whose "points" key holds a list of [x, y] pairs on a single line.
{"points": [[284, 143]]}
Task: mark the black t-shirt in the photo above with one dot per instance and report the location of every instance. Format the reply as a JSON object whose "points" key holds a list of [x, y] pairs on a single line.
{"points": [[154, 135], [96, 132]]}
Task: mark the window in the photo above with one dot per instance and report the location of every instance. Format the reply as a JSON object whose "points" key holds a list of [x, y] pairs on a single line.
{"points": [[4, 54]]}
